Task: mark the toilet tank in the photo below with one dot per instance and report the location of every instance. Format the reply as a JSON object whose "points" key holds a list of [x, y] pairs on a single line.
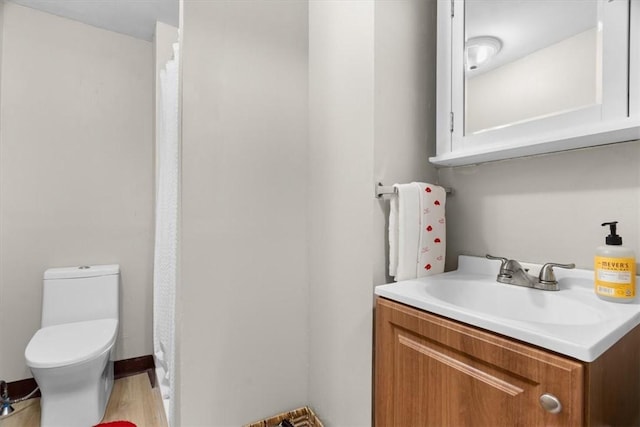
{"points": [[76, 294]]}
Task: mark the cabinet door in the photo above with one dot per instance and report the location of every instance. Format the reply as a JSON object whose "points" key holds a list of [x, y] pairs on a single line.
{"points": [[430, 371]]}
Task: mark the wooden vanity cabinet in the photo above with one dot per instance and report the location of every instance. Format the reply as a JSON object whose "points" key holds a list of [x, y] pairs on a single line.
{"points": [[432, 371]]}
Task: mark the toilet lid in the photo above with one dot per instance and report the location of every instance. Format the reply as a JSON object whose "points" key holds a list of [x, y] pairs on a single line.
{"points": [[70, 343]]}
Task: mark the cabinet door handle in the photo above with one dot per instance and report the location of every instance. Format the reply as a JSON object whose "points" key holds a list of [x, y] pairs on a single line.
{"points": [[550, 403]]}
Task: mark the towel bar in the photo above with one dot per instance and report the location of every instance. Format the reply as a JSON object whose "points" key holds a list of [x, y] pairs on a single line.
{"points": [[382, 190]]}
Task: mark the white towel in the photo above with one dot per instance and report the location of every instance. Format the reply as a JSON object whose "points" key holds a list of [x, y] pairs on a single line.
{"points": [[417, 231], [404, 236]]}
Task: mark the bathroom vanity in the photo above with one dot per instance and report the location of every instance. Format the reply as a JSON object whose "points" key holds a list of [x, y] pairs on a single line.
{"points": [[441, 362]]}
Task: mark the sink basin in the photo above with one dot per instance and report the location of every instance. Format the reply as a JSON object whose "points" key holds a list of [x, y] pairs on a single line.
{"points": [[572, 321], [512, 302]]}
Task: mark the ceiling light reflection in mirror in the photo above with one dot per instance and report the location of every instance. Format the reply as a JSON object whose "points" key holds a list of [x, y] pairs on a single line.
{"points": [[479, 50]]}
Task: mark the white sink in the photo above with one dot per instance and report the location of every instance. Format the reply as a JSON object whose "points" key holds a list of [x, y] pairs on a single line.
{"points": [[572, 321]]}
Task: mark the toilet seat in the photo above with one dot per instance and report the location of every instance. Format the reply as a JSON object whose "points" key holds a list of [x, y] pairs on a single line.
{"points": [[70, 343]]}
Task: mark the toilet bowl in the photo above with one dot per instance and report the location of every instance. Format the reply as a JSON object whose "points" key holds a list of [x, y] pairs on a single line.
{"points": [[71, 356]]}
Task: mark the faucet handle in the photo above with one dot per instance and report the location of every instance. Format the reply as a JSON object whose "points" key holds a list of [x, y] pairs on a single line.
{"points": [[504, 262], [547, 275], [499, 258]]}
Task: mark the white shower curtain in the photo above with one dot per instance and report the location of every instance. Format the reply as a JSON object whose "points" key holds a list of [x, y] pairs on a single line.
{"points": [[165, 259]]}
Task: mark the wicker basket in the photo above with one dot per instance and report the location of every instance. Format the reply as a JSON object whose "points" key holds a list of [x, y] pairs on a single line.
{"points": [[301, 417]]}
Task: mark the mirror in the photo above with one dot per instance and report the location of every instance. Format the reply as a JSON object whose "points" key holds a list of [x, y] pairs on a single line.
{"points": [[518, 78], [515, 73]]}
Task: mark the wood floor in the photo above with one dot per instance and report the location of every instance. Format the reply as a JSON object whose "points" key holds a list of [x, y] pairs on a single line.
{"points": [[132, 399]]}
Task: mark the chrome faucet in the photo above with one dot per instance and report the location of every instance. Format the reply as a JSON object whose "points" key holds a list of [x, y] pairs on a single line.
{"points": [[513, 273]]}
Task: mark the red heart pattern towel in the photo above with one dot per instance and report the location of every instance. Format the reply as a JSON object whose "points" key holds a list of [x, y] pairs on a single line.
{"points": [[417, 229]]}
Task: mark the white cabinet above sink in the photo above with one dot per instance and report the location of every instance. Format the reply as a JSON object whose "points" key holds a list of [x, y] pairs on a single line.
{"points": [[529, 77]]}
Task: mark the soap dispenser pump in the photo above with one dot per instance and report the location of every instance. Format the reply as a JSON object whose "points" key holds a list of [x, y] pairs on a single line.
{"points": [[615, 268]]}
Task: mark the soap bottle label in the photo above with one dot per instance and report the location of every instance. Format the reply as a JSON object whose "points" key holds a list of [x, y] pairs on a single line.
{"points": [[615, 277]]}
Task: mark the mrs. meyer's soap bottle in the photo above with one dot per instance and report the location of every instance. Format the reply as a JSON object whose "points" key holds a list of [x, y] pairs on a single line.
{"points": [[615, 269]]}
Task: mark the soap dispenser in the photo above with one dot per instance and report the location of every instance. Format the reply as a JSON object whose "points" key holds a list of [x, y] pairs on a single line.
{"points": [[615, 269]]}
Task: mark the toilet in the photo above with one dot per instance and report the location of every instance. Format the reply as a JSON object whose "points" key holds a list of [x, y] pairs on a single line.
{"points": [[71, 355]]}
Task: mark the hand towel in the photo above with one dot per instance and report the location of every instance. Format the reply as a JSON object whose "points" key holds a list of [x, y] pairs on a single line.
{"points": [[432, 247], [404, 218], [417, 231]]}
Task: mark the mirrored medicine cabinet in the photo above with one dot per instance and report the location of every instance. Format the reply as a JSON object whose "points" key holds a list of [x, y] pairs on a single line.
{"points": [[519, 78]]}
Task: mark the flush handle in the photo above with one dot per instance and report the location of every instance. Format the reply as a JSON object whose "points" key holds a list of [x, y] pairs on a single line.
{"points": [[550, 403]]}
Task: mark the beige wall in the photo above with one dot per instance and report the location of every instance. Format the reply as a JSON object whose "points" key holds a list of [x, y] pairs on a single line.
{"points": [[372, 83], [243, 287], [341, 132], [547, 208], [405, 84], [276, 303], [76, 170]]}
